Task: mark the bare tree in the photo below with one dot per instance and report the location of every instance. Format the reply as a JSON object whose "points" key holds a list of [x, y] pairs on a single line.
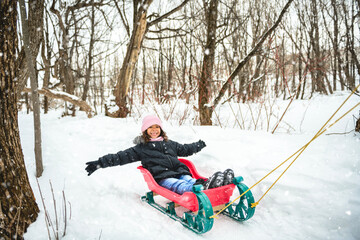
{"points": [[243, 62], [90, 53], [68, 19], [46, 58], [211, 13], [140, 27], [318, 58], [349, 64], [36, 22], [63, 68], [18, 208], [34, 90], [257, 15]]}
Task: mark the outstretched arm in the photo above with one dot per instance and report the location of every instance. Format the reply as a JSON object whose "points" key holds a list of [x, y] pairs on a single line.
{"points": [[184, 150], [120, 158]]}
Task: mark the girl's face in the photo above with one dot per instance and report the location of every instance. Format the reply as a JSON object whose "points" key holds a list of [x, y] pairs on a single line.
{"points": [[154, 131]]}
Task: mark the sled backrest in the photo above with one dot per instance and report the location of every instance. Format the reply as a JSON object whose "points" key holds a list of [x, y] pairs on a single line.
{"points": [[191, 167]]}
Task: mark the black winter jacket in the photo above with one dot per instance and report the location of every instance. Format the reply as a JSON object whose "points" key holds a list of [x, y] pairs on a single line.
{"points": [[160, 158]]}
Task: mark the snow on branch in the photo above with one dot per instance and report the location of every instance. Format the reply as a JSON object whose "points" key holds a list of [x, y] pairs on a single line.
{"points": [[66, 97]]}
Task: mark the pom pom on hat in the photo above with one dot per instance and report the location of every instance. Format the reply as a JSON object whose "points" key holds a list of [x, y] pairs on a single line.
{"points": [[150, 120]]}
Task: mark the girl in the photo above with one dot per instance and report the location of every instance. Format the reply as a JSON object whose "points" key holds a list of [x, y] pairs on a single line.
{"points": [[160, 155]]}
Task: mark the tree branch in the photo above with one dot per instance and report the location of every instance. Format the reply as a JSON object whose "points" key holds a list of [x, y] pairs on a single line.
{"points": [[159, 19], [66, 97], [165, 37], [123, 19], [249, 55]]}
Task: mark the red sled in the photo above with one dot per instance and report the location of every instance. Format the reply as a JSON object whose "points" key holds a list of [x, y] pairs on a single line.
{"points": [[201, 203]]}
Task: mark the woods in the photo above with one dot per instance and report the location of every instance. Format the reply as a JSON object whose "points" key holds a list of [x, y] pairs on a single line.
{"points": [[190, 50], [113, 57]]}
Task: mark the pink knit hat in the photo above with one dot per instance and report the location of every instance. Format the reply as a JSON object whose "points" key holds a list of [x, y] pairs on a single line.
{"points": [[150, 120]]}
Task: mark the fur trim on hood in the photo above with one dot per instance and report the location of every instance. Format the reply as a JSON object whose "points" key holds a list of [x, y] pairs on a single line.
{"points": [[139, 139]]}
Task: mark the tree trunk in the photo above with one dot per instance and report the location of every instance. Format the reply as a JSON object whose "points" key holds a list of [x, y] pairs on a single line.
{"points": [[208, 63], [18, 208], [349, 60], [335, 43], [36, 23], [131, 57], [45, 47], [141, 26], [143, 81], [317, 74], [90, 55], [34, 90], [63, 63]]}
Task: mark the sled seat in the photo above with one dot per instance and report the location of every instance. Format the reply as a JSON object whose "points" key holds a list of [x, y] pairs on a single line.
{"points": [[217, 196]]}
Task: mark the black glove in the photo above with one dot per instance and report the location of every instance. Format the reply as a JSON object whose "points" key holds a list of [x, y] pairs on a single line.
{"points": [[92, 167], [201, 144]]}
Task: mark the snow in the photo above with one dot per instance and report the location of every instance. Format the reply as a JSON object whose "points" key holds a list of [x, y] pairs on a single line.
{"points": [[73, 97], [317, 198]]}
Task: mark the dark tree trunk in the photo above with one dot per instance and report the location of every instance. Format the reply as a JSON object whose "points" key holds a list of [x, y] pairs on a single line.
{"points": [[336, 44], [18, 208], [317, 75], [90, 55], [46, 56], [208, 64]]}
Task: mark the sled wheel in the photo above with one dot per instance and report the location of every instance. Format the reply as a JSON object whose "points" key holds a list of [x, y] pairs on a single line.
{"points": [[241, 210], [201, 222]]}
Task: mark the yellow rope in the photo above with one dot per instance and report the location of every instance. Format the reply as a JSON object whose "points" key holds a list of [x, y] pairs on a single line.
{"points": [[299, 152], [321, 131]]}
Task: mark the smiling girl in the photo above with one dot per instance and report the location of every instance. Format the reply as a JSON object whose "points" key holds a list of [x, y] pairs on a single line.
{"points": [[160, 155]]}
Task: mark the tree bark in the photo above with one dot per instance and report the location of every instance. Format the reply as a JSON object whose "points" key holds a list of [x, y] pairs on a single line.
{"points": [[140, 27], [131, 57], [317, 74], [336, 43], [90, 54], [18, 208], [46, 56], [34, 91], [36, 23], [208, 63], [349, 60], [357, 125]]}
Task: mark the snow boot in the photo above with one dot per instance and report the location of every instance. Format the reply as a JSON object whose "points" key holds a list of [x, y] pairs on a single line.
{"points": [[228, 176], [200, 181], [216, 180]]}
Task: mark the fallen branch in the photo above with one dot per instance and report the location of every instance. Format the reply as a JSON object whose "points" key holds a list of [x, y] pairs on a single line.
{"points": [[66, 97], [344, 133]]}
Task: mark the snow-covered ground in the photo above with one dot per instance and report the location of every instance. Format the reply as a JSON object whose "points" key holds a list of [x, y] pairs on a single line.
{"points": [[318, 198]]}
